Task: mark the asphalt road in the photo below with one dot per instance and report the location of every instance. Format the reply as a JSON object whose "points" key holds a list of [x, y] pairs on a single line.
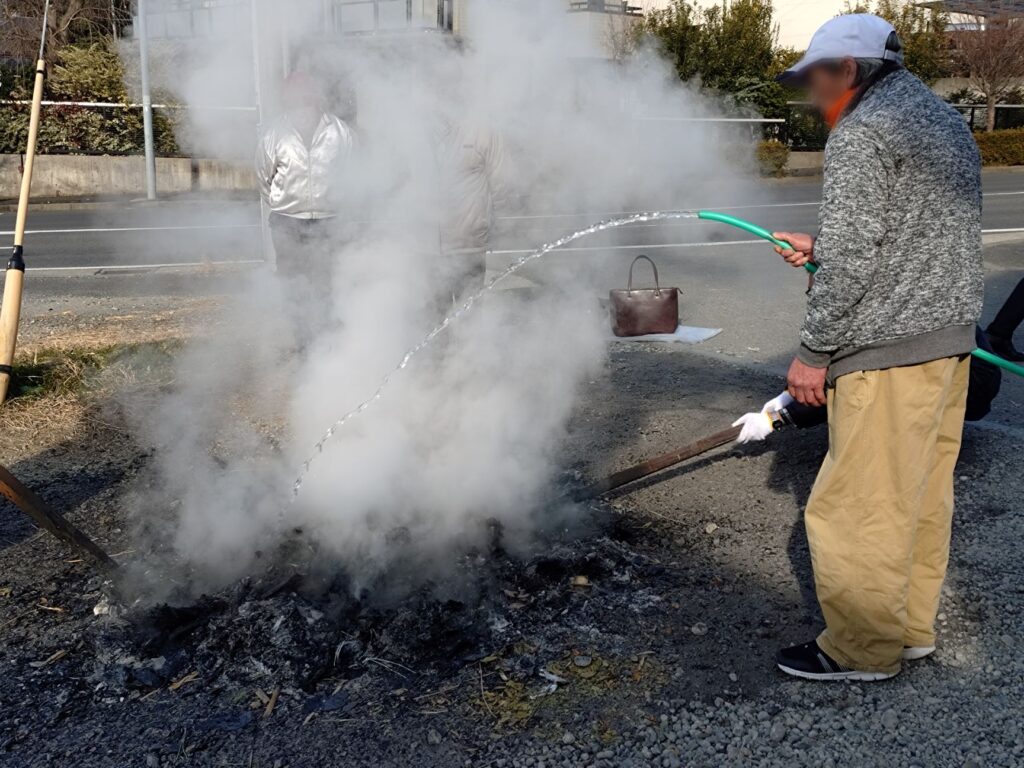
{"points": [[106, 259], [188, 232]]}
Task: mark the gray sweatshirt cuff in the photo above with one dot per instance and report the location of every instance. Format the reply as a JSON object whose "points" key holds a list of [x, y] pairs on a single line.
{"points": [[808, 356]]}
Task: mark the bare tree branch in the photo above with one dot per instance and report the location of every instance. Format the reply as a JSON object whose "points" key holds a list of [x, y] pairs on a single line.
{"points": [[70, 21], [992, 56]]}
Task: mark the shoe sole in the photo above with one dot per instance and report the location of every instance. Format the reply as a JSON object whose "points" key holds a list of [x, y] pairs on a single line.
{"points": [[917, 653], [868, 677]]}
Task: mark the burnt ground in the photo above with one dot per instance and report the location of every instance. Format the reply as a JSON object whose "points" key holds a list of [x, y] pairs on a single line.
{"points": [[647, 639]]}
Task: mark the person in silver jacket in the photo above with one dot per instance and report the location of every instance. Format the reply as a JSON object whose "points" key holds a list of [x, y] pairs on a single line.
{"points": [[298, 166]]}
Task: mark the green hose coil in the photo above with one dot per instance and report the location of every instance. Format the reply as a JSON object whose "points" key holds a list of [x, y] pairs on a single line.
{"points": [[764, 234], [996, 360]]}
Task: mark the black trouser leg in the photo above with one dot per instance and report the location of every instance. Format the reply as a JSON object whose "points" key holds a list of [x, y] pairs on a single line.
{"points": [[467, 272], [1010, 316], [304, 249], [286, 234]]}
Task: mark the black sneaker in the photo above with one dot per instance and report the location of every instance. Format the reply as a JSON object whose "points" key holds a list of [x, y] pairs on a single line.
{"points": [[811, 663], [1005, 349]]}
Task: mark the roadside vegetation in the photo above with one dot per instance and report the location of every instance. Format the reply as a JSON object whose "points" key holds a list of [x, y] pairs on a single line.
{"points": [[56, 373], [1002, 147], [75, 371], [82, 73], [729, 48], [773, 157], [732, 48]]}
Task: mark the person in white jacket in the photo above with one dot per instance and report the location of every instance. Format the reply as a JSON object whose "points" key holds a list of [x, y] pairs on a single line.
{"points": [[299, 167], [471, 161]]}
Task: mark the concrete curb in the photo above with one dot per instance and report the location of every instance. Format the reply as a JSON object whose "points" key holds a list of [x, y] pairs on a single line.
{"points": [[57, 206]]}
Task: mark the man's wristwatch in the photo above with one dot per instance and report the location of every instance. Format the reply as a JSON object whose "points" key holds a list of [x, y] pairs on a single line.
{"points": [[779, 420]]}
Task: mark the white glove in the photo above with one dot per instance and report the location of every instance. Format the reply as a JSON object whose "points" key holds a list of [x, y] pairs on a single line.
{"points": [[777, 404], [756, 427]]}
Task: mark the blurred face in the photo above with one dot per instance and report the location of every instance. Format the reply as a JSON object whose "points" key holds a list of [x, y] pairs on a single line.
{"points": [[302, 94], [828, 83]]}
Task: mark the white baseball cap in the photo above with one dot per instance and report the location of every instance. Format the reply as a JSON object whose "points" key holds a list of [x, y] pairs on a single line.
{"points": [[854, 35]]}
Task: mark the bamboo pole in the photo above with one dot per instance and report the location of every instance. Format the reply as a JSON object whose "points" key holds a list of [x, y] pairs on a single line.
{"points": [[10, 310]]}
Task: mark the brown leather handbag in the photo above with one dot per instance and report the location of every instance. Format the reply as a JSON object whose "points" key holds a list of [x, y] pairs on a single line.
{"points": [[644, 310]]}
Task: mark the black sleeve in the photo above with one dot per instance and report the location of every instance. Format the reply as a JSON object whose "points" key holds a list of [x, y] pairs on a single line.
{"points": [[805, 416], [984, 385]]}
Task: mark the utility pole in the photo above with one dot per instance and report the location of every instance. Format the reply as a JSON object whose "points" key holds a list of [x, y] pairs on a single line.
{"points": [[257, 76], [147, 100]]}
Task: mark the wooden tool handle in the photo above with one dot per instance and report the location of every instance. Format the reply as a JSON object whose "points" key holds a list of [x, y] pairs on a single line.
{"points": [[29, 503], [658, 463]]}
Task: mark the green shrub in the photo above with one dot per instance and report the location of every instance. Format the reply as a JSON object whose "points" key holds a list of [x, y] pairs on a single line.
{"points": [[773, 157], [92, 73], [1002, 147]]}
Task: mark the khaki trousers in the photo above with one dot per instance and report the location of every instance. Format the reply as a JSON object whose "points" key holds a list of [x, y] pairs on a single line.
{"points": [[880, 515]]}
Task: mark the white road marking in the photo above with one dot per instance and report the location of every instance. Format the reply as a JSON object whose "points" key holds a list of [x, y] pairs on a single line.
{"points": [[616, 214], [658, 247], [503, 252], [663, 246], [132, 229], [133, 267], [749, 207]]}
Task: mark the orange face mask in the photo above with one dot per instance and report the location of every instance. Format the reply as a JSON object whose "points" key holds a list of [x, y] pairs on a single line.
{"points": [[835, 111]]}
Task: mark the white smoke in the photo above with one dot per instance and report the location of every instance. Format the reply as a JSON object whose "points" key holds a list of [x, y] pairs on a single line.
{"points": [[470, 433]]}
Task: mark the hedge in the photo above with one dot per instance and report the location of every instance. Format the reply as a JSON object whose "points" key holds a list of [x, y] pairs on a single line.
{"points": [[92, 73], [773, 157], [1002, 147]]}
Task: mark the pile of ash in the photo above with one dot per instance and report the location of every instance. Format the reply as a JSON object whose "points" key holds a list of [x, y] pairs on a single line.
{"points": [[530, 622]]}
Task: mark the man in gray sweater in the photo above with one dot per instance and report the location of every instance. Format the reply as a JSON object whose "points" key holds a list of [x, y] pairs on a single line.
{"points": [[890, 324]]}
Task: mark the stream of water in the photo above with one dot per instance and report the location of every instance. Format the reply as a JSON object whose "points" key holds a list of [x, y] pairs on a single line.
{"points": [[603, 226]]}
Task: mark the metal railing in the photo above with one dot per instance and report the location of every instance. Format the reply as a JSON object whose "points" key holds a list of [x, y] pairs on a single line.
{"points": [[804, 129], [110, 128], [190, 19], [1007, 115], [369, 16], [205, 19], [620, 7]]}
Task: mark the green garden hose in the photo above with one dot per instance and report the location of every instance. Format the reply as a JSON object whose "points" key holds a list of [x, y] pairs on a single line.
{"points": [[996, 360], [764, 234], [746, 226]]}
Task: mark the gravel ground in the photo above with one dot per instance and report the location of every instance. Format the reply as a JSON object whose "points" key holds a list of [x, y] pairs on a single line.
{"points": [[958, 708], [662, 658]]}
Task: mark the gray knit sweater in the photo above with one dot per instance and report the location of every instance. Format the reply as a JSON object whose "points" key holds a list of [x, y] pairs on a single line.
{"points": [[899, 247]]}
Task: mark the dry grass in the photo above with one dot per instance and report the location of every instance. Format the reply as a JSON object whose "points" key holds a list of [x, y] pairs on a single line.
{"points": [[71, 331], [28, 425], [68, 364], [60, 395]]}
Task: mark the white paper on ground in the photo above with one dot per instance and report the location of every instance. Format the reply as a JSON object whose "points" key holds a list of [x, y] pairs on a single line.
{"points": [[684, 335]]}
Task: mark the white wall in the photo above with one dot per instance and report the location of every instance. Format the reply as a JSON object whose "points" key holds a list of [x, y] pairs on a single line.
{"points": [[606, 32]]}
